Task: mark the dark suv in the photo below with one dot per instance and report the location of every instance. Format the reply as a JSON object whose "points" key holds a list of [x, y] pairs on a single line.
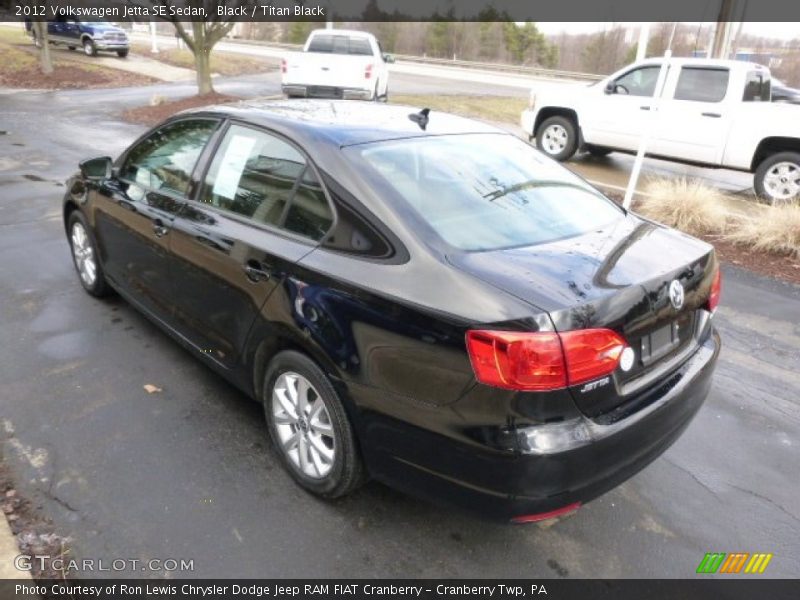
{"points": [[92, 37]]}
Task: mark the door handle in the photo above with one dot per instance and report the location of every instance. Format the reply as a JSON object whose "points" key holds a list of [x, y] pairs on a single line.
{"points": [[712, 115], [255, 271], [645, 107], [159, 228]]}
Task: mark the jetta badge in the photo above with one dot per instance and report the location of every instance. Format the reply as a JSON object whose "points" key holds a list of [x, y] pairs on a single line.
{"points": [[676, 294]]}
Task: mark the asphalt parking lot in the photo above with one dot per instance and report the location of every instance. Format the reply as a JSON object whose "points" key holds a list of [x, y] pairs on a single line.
{"points": [[187, 473]]}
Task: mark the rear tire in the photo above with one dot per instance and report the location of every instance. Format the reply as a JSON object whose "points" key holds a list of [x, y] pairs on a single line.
{"points": [[557, 137], [777, 178], [309, 427]]}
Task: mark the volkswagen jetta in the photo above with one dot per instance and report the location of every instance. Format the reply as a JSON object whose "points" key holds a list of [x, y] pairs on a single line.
{"points": [[413, 296]]}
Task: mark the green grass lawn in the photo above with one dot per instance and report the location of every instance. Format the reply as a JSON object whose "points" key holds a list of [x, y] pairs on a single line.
{"points": [[490, 108]]}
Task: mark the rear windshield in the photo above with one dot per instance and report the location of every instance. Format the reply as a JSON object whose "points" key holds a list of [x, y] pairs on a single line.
{"points": [[340, 44], [487, 191]]}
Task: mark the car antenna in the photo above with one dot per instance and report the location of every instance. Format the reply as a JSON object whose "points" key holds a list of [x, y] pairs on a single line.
{"points": [[421, 118]]}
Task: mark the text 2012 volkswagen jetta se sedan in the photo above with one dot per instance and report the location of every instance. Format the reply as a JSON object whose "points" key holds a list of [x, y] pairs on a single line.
{"points": [[413, 296]]}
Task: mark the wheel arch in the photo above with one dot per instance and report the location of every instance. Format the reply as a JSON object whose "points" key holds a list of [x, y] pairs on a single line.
{"points": [[773, 145], [555, 111]]}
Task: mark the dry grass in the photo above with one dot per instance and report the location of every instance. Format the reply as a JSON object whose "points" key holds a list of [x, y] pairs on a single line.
{"points": [[490, 108], [775, 229], [688, 205], [222, 63]]}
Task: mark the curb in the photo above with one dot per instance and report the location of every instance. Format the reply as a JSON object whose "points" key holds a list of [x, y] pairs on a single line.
{"points": [[8, 551]]}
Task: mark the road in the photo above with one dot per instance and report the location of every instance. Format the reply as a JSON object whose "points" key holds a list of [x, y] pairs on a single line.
{"points": [[187, 472]]}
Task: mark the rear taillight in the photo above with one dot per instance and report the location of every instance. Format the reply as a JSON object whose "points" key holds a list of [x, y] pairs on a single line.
{"points": [[540, 361], [368, 72], [716, 290], [284, 66]]}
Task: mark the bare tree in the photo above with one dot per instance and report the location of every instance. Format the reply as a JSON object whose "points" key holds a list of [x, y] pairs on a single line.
{"points": [[200, 37], [38, 29]]}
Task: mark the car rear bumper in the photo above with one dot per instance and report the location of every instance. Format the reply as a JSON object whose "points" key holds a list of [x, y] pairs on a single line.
{"points": [[583, 460], [318, 91]]}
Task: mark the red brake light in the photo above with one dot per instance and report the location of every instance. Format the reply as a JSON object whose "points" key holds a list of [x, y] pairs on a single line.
{"points": [[283, 65], [368, 72], [716, 290], [539, 361], [591, 353]]}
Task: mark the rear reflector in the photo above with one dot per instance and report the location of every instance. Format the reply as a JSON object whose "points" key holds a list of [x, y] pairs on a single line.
{"points": [[542, 360], [283, 65], [368, 72], [716, 290], [559, 512]]}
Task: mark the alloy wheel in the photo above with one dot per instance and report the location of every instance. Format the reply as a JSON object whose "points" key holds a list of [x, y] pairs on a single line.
{"points": [[782, 182], [83, 253], [555, 139], [303, 425]]}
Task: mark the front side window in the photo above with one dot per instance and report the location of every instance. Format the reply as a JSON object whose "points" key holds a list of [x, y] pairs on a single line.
{"points": [[164, 161], [486, 191], [702, 84], [264, 178], [639, 82]]}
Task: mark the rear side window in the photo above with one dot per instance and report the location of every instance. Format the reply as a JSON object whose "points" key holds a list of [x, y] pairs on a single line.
{"points": [[757, 87], [340, 44], [264, 178], [164, 161], [702, 84], [485, 191]]}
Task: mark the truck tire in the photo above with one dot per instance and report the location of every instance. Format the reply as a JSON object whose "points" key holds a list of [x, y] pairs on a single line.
{"points": [[557, 137], [122, 53], [89, 48], [777, 178]]}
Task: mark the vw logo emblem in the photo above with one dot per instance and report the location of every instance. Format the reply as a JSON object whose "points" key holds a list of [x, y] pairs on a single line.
{"points": [[676, 294]]}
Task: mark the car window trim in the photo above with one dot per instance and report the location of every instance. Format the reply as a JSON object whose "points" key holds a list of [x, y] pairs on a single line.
{"points": [[194, 199], [183, 197]]}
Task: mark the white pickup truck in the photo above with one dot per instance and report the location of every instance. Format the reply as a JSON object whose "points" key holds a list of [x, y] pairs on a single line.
{"points": [[713, 113], [337, 63]]}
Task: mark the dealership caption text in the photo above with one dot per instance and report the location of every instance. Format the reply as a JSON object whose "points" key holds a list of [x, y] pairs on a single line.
{"points": [[200, 591], [164, 11]]}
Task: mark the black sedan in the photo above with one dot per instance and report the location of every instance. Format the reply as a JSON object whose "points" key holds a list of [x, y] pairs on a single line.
{"points": [[413, 296]]}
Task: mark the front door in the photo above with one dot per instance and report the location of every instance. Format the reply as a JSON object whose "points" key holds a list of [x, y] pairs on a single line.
{"points": [[134, 211]]}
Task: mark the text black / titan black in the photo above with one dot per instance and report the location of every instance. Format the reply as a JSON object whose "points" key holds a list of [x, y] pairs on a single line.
{"points": [[414, 297]]}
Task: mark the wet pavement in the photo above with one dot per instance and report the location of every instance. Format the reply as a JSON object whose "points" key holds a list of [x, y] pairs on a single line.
{"points": [[187, 473]]}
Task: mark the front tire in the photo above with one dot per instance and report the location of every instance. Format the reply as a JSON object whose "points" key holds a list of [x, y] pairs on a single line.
{"points": [[122, 53], [309, 427], [777, 178], [89, 49], [85, 256], [557, 137]]}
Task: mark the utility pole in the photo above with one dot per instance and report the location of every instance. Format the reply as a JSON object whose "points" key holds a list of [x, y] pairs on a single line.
{"points": [[722, 35], [644, 35]]}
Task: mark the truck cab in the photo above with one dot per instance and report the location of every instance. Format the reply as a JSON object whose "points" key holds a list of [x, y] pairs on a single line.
{"points": [[714, 113], [92, 37]]}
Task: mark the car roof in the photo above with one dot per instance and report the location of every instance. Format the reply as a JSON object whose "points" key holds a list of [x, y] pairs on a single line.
{"points": [[347, 32], [345, 122], [701, 62]]}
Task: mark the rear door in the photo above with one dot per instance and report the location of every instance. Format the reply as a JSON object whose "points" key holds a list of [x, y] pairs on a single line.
{"points": [[260, 209], [134, 210], [695, 118]]}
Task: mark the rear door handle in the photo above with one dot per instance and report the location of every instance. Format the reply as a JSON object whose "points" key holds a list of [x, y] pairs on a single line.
{"points": [[712, 115], [255, 271]]}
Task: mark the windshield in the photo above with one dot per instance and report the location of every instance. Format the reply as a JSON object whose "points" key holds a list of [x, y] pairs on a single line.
{"points": [[487, 191]]}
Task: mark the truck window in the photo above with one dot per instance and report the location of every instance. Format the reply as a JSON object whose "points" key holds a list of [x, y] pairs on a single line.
{"points": [[639, 82], [340, 44], [702, 84], [757, 87]]}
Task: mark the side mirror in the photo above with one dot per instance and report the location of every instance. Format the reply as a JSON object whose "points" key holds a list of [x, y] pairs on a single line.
{"points": [[96, 169], [388, 58], [610, 87]]}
